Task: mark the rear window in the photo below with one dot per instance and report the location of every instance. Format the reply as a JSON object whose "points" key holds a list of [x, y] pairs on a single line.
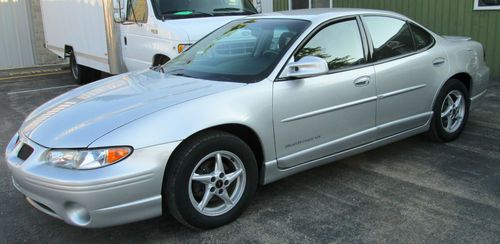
{"points": [[423, 39], [391, 37]]}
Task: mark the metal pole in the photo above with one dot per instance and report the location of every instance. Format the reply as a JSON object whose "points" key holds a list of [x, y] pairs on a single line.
{"points": [[115, 58]]}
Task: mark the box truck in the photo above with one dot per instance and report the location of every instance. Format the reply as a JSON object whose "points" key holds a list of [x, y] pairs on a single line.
{"points": [[115, 36]]}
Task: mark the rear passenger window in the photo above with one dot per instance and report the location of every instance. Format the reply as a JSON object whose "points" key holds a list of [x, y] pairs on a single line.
{"points": [[339, 44], [423, 39], [391, 37]]}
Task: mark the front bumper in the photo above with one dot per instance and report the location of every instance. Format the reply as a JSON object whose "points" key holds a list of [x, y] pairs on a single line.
{"points": [[121, 193]]}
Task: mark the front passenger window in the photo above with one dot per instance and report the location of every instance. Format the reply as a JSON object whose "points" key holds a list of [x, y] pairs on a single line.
{"points": [[339, 44], [137, 10], [391, 37]]}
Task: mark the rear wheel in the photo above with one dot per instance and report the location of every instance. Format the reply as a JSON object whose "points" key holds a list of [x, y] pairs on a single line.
{"points": [[211, 180], [82, 74], [451, 112]]}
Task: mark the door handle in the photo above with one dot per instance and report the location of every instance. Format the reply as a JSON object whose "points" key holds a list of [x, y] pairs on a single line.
{"points": [[362, 81], [125, 40], [438, 61]]}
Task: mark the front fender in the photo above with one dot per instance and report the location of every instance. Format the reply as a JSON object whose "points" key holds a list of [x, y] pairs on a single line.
{"points": [[250, 106]]}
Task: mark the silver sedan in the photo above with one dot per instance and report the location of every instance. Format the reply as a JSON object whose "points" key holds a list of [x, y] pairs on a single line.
{"points": [[257, 100]]}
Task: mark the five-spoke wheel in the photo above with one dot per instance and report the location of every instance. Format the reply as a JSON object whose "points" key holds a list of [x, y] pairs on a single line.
{"points": [[217, 182], [451, 110], [210, 179]]}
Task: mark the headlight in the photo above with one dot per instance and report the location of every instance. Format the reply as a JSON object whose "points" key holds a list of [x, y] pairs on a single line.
{"points": [[88, 158]]}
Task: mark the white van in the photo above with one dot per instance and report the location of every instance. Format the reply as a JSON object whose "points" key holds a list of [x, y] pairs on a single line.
{"points": [[116, 36]]}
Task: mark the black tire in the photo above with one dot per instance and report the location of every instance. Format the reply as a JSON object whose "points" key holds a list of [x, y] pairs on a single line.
{"points": [[437, 131], [176, 184], [160, 60], [82, 74]]}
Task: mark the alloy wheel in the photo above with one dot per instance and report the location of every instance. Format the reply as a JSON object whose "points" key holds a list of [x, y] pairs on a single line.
{"points": [[217, 183], [453, 111]]}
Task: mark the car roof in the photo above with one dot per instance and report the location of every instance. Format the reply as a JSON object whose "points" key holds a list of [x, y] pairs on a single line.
{"points": [[322, 14]]}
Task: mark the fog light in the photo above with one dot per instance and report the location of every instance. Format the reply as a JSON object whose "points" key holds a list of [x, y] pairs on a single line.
{"points": [[77, 214]]}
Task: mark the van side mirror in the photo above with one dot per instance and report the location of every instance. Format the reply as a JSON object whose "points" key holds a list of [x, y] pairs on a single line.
{"points": [[120, 11], [305, 67]]}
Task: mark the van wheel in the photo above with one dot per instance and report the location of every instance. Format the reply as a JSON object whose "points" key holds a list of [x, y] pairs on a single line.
{"points": [[82, 74], [211, 180], [160, 60], [451, 112]]}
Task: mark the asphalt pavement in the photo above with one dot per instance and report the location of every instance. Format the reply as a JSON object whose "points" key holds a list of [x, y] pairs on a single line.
{"points": [[412, 191]]}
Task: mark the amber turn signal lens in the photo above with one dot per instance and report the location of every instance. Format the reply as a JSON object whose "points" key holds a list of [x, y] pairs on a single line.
{"points": [[180, 48], [114, 155]]}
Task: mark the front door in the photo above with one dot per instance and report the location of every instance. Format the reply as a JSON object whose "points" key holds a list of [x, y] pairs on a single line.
{"points": [[322, 115], [137, 36]]}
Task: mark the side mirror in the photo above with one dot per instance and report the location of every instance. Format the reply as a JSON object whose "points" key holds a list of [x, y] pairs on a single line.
{"points": [[119, 13], [305, 67]]}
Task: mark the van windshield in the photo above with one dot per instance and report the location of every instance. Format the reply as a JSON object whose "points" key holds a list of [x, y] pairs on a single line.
{"points": [[178, 9], [241, 51]]}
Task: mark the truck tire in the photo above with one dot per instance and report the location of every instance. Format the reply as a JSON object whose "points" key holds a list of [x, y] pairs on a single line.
{"points": [[82, 74], [160, 60]]}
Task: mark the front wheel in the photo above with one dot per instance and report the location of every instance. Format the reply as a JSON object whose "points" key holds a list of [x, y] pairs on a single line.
{"points": [[211, 180], [451, 112]]}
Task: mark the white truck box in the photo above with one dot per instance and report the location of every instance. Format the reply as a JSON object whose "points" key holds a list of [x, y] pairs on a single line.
{"points": [[79, 24]]}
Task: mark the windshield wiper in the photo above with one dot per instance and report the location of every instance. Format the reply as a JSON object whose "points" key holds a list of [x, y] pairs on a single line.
{"points": [[234, 9], [186, 12], [181, 74]]}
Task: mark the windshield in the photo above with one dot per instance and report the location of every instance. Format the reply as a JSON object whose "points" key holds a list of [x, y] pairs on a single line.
{"points": [[202, 8], [240, 51]]}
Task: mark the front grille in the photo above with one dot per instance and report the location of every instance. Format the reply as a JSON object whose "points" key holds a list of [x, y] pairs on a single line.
{"points": [[25, 152], [17, 140], [43, 206]]}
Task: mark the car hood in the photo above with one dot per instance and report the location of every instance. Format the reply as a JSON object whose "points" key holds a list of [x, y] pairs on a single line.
{"points": [[79, 117], [195, 28]]}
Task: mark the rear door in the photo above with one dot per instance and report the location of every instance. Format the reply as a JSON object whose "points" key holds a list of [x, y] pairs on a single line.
{"points": [[408, 68], [321, 115]]}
